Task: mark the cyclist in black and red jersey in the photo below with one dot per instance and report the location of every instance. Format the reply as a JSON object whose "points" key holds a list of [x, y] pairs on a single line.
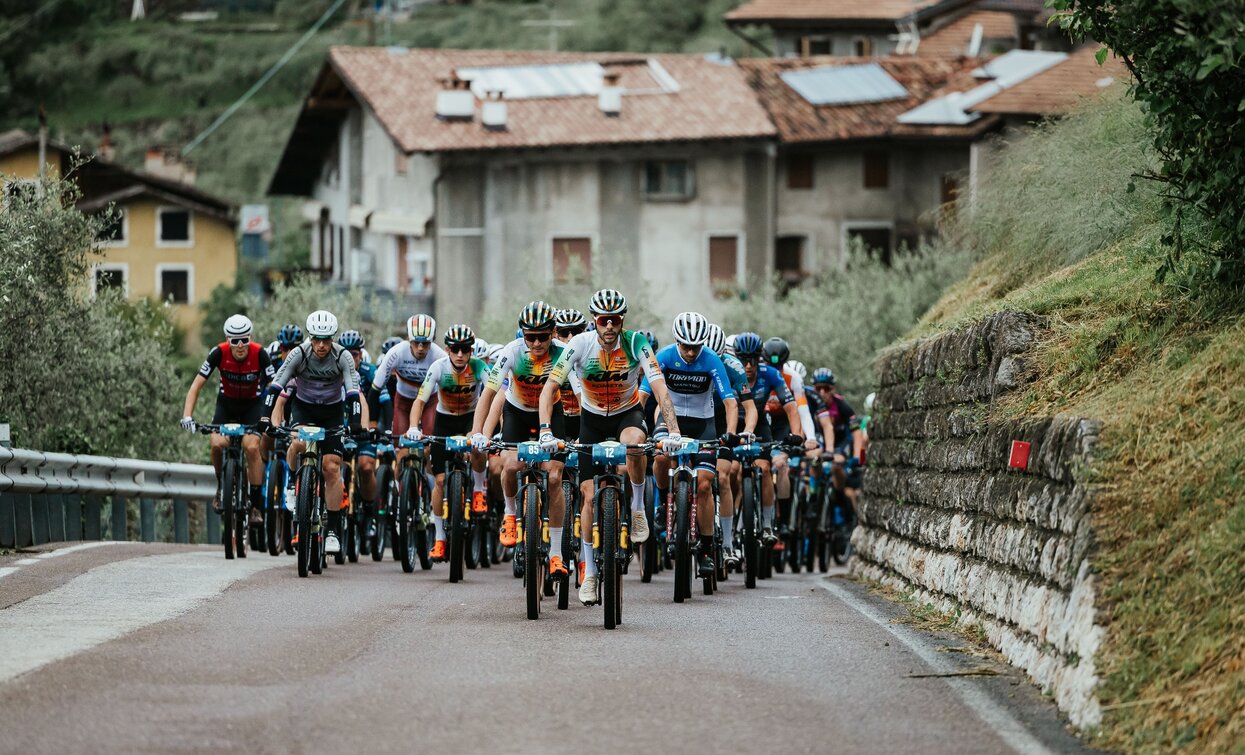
{"points": [[245, 371]]}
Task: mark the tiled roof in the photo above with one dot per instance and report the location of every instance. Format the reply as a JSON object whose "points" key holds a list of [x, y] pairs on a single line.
{"points": [[1059, 88], [710, 100], [954, 38], [799, 121], [827, 10]]}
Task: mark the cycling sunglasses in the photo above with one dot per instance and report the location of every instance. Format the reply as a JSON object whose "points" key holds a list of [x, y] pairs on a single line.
{"points": [[607, 320], [569, 332], [243, 341], [540, 337], [322, 339], [458, 349]]}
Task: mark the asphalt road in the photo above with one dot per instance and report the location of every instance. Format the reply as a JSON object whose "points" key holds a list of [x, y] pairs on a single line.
{"points": [[159, 648]]}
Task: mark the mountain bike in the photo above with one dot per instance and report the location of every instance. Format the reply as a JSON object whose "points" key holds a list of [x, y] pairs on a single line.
{"points": [[611, 514], [412, 517], [571, 535], [681, 519], [652, 551], [748, 512], [278, 520], [379, 521], [234, 500], [347, 532], [310, 513], [532, 525], [457, 499]]}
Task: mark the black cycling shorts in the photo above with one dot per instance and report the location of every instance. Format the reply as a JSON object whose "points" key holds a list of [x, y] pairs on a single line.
{"points": [[446, 425], [695, 428], [237, 410], [327, 416], [519, 425], [595, 428], [572, 426], [779, 427]]}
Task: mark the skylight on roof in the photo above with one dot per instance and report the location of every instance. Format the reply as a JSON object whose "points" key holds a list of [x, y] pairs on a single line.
{"points": [[530, 82], [845, 85]]}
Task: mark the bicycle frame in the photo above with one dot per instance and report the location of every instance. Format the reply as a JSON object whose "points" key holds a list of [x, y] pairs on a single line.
{"points": [[455, 499], [233, 464]]}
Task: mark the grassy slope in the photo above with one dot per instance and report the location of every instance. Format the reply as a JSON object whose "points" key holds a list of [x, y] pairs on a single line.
{"points": [[1165, 370]]}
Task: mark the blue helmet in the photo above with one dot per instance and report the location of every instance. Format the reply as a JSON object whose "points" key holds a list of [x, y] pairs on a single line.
{"points": [[389, 343], [350, 340], [652, 338], [290, 335], [748, 345], [823, 376]]}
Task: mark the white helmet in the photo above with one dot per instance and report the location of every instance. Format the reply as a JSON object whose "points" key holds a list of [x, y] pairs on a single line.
{"points": [[494, 352], [480, 348], [321, 324], [238, 326], [716, 340], [869, 401], [690, 328], [730, 344], [797, 368]]}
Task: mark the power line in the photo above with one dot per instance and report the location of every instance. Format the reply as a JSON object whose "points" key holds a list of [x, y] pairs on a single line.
{"points": [[290, 53]]}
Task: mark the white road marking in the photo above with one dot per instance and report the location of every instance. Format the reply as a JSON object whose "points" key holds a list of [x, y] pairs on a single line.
{"points": [[53, 554], [7, 570], [26, 561], [1002, 722], [110, 601]]}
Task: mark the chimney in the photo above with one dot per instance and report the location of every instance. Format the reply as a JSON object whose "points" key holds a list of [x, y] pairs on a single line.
{"points": [[168, 163], [455, 101], [610, 99], [493, 112]]}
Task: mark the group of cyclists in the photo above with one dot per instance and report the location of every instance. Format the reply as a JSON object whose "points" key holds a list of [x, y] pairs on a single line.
{"points": [[566, 384]]}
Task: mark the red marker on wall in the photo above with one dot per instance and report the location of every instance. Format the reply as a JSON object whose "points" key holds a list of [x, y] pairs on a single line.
{"points": [[1020, 455]]}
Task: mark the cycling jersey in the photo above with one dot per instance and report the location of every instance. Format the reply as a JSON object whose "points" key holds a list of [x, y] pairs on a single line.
{"points": [[770, 383], [522, 375], [459, 390], [610, 381], [844, 419], [243, 379], [570, 398], [692, 384], [320, 381], [410, 371], [796, 384]]}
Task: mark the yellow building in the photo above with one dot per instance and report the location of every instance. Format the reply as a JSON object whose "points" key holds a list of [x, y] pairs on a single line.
{"points": [[172, 242]]}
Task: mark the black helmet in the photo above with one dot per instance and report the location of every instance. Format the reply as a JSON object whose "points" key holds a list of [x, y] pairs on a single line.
{"points": [[290, 335], [459, 335], [777, 352]]}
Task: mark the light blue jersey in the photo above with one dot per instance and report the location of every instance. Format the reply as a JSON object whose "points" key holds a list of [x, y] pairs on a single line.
{"points": [[692, 385]]}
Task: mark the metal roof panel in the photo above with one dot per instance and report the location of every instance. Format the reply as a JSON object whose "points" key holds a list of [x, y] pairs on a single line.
{"points": [[845, 85]]}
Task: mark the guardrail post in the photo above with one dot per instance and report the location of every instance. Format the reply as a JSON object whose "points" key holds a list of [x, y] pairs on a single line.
{"points": [[147, 519], [91, 529], [39, 518], [8, 520], [25, 524], [73, 517], [213, 524], [118, 518], [56, 518], [181, 521]]}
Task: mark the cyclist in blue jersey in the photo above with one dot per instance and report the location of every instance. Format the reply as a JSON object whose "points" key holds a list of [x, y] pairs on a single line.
{"points": [[730, 471], [765, 381], [693, 374]]}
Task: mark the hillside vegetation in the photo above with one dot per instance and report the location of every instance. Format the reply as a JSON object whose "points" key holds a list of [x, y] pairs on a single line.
{"points": [[1064, 229]]}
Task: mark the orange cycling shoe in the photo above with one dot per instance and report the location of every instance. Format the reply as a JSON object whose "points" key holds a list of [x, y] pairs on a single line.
{"points": [[479, 502], [509, 531], [556, 567], [438, 551]]}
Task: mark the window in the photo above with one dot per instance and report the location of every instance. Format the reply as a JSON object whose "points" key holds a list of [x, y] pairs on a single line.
{"points": [[173, 227], [115, 231], [862, 47], [875, 241], [877, 170], [111, 276], [814, 46], [175, 283], [669, 179], [572, 260], [724, 263], [789, 259], [800, 171]]}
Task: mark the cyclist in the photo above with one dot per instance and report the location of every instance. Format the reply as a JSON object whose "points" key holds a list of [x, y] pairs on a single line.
{"points": [[479, 349], [693, 375], [365, 453], [816, 406], [381, 402], [777, 352], [328, 391], [289, 336], [729, 470], [524, 366], [570, 323], [245, 371], [764, 381], [457, 379], [608, 363], [410, 365], [848, 440]]}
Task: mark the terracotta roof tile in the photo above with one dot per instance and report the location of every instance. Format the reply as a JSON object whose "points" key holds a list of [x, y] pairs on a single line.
{"points": [[799, 121], [827, 10], [953, 39], [1058, 89], [712, 100]]}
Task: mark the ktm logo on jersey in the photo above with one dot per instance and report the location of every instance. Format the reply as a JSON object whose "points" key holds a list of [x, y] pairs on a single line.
{"points": [[531, 379], [458, 388], [610, 376]]}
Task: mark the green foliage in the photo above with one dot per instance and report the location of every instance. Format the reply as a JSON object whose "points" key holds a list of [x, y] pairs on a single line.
{"points": [[78, 373], [843, 318], [1186, 57]]}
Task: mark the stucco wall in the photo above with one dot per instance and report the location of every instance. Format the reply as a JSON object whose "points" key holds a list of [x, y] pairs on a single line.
{"points": [[944, 517]]}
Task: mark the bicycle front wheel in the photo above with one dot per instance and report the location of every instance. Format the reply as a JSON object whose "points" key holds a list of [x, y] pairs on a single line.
{"points": [[610, 585], [302, 524], [275, 485], [455, 500], [682, 539], [748, 517], [533, 573], [403, 531]]}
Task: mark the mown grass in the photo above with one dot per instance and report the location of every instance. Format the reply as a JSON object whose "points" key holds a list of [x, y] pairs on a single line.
{"points": [[1164, 369]]}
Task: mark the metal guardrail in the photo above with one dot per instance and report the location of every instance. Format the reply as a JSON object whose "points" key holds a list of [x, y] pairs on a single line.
{"points": [[49, 497]]}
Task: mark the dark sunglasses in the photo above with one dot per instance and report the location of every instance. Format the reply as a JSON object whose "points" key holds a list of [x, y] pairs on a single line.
{"points": [[750, 360], [569, 332], [240, 341], [537, 337], [607, 320], [324, 339], [458, 349]]}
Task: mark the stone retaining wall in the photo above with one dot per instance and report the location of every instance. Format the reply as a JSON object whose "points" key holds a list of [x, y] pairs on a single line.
{"points": [[944, 517]]}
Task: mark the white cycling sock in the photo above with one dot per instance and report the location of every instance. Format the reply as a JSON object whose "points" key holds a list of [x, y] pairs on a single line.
{"points": [[555, 541], [728, 531], [512, 508], [767, 516], [590, 564], [439, 523], [637, 497], [481, 479]]}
